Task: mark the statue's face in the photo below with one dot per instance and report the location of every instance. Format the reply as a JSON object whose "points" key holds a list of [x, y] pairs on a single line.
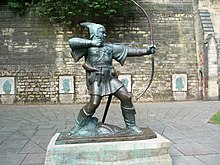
{"points": [[101, 34]]}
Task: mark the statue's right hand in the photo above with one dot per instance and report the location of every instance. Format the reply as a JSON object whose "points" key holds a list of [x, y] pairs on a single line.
{"points": [[97, 43]]}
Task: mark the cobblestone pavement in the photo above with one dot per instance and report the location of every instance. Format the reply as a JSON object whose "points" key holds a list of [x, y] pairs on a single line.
{"points": [[25, 131]]}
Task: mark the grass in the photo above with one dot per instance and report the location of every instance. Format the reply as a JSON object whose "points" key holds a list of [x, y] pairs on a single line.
{"points": [[215, 119]]}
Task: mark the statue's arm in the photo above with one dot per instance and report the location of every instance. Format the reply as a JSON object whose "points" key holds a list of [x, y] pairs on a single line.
{"points": [[120, 52], [76, 43], [132, 52], [79, 47]]}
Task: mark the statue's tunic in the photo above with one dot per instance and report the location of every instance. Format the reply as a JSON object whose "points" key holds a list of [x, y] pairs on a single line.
{"points": [[101, 79]]}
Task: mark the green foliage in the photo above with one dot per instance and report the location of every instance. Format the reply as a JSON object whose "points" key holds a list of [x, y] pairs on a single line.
{"points": [[18, 6], [68, 11], [215, 119]]}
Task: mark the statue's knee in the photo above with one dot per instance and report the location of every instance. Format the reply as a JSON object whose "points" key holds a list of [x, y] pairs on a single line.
{"points": [[93, 105], [128, 97], [126, 101]]}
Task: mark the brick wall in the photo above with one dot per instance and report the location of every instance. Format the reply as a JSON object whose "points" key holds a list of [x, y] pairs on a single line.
{"points": [[36, 53]]}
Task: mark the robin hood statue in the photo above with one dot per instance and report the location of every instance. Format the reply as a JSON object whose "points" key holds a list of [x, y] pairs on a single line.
{"points": [[101, 78]]}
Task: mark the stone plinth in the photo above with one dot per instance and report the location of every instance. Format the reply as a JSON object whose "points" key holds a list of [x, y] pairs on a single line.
{"points": [[138, 152]]}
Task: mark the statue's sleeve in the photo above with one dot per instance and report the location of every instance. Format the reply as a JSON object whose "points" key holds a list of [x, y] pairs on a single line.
{"points": [[119, 53], [79, 47]]}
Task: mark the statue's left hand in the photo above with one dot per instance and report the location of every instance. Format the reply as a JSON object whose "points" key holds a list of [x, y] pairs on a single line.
{"points": [[151, 49]]}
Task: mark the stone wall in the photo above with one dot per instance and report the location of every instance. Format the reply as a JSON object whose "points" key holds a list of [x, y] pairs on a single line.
{"points": [[208, 41], [36, 55]]}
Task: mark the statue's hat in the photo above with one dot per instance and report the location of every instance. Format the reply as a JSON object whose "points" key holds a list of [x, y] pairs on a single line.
{"points": [[93, 28]]}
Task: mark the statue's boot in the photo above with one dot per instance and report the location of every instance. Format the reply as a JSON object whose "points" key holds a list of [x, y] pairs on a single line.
{"points": [[129, 118], [81, 121]]}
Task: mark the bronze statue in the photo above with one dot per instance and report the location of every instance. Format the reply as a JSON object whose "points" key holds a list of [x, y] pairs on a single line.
{"points": [[101, 77]]}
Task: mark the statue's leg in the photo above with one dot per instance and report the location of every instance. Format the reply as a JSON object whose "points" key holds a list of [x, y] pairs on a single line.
{"points": [[128, 110], [93, 104], [85, 113], [81, 121]]}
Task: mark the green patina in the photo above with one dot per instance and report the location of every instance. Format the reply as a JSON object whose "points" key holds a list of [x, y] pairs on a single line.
{"points": [[7, 87]]}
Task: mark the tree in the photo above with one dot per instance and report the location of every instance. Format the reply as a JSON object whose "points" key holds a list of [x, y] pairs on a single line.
{"points": [[68, 11]]}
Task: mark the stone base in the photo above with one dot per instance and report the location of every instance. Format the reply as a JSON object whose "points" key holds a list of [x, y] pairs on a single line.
{"points": [[138, 152], [66, 98], [180, 96], [7, 99]]}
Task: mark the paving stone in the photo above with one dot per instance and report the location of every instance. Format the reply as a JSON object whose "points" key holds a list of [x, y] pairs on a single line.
{"points": [[192, 115], [69, 127], [194, 141], [59, 122], [161, 114], [70, 122], [175, 152], [213, 146], [60, 126], [35, 164], [173, 133], [213, 159], [28, 133], [13, 144], [14, 159], [170, 115], [187, 160], [17, 136], [43, 145], [7, 151], [191, 133], [216, 139], [9, 129], [178, 125], [34, 159], [4, 136], [46, 126], [204, 140], [29, 127], [38, 139], [151, 113], [159, 128], [47, 132], [182, 113], [63, 129], [193, 149], [32, 147], [183, 141], [213, 127]]}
